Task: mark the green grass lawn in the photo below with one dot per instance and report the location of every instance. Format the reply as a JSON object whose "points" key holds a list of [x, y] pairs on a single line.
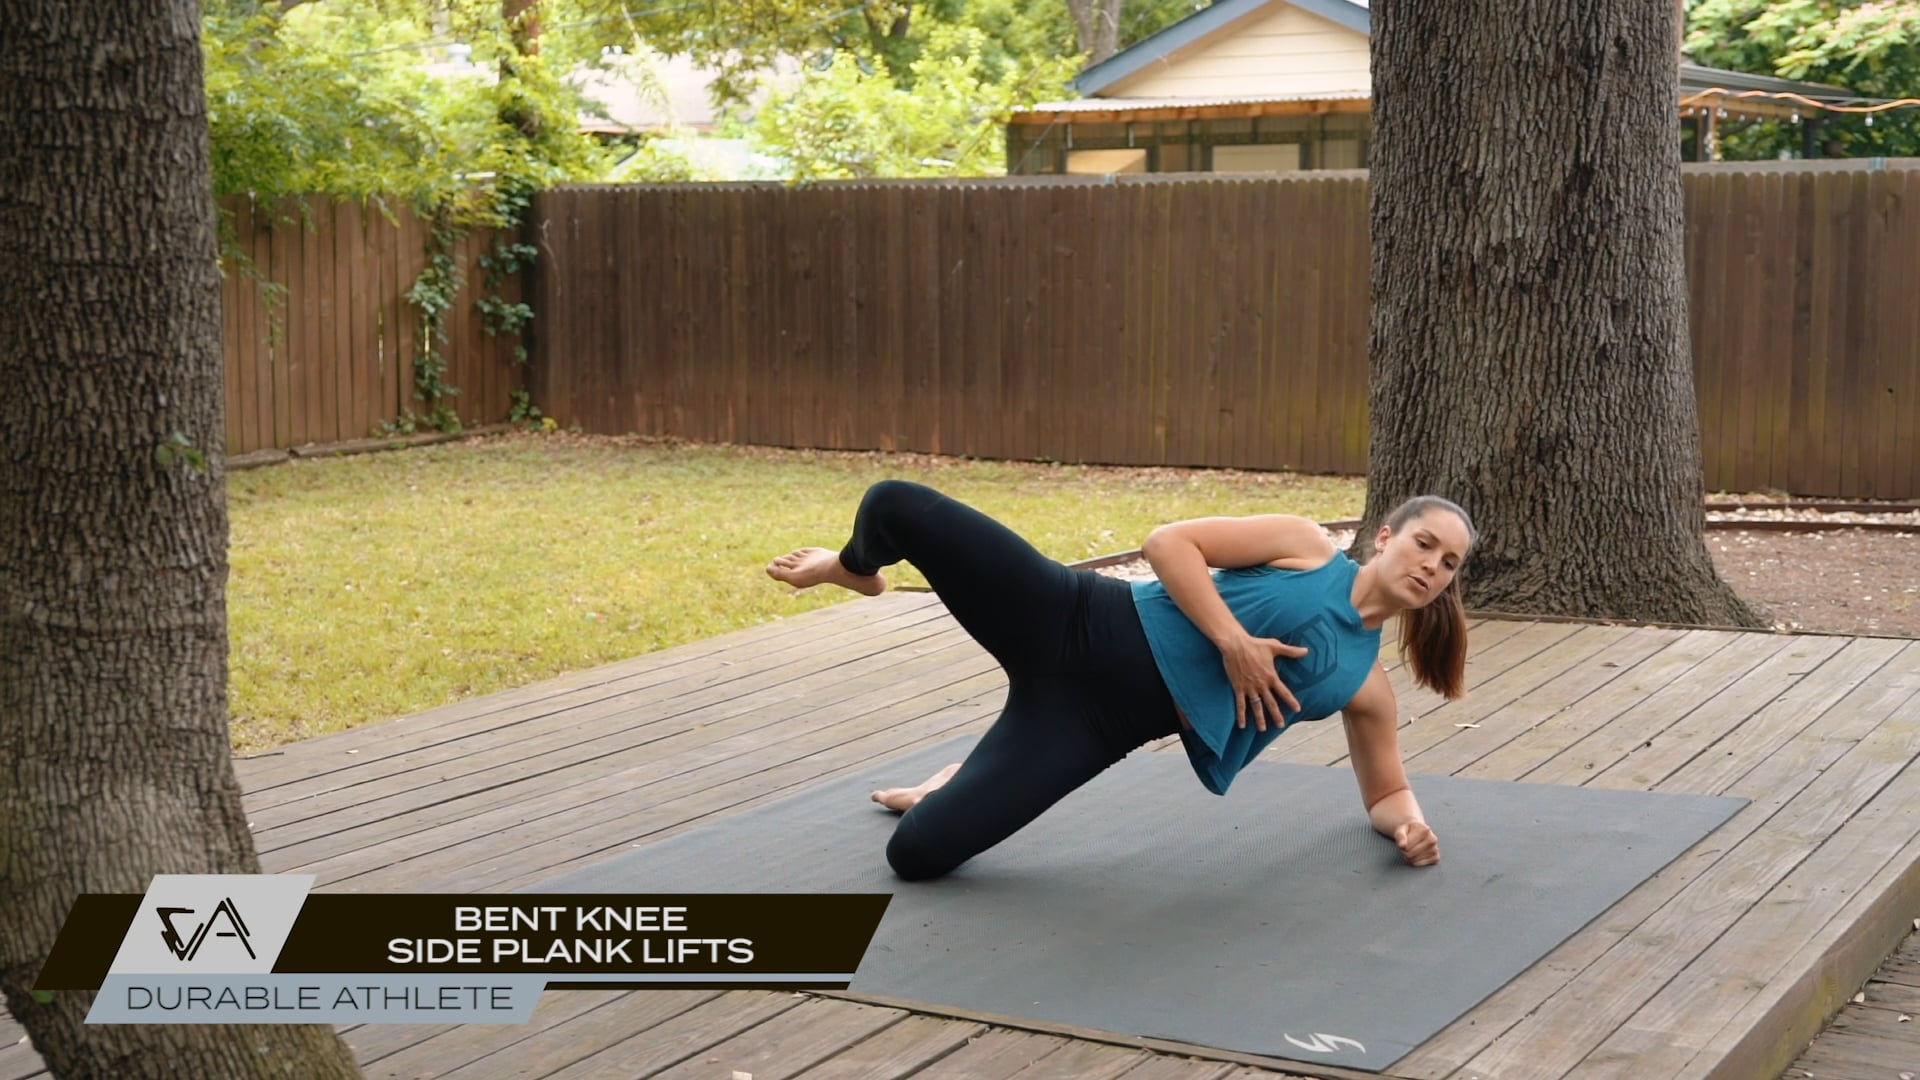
{"points": [[370, 587]]}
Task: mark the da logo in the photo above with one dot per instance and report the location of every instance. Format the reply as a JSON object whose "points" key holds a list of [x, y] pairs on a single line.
{"points": [[1327, 1044], [225, 922]]}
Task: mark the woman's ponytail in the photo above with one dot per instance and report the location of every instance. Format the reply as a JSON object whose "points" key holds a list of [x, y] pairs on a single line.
{"points": [[1433, 641]]}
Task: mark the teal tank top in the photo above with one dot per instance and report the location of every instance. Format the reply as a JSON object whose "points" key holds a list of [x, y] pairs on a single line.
{"points": [[1313, 608]]}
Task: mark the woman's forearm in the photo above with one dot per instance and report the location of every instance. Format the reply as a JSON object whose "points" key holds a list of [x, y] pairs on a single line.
{"points": [[1183, 570], [1394, 811]]}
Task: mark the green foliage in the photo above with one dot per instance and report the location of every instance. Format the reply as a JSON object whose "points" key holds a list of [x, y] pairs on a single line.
{"points": [[499, 315], [853, 120], [344, 98], [1869, 46], [654, 162], [525, 411], [1144, 18], [178, 449]]}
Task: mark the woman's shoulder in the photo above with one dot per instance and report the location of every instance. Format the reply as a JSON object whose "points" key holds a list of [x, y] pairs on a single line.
{"points": [[1320, 555]]}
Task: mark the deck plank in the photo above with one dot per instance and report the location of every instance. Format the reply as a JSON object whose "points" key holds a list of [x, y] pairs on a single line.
{"points": [[625, 771], [524, 849], [1777, 1005], [994, 1055], [790, 1043], [1646, 764], [1801, 769], [1644, 682], [423, 1051], [1623, 649], [1843, 678], [766, 677], [1084, 1061], [18, 1058], [1165, 1067], [900, 1050], [1846, 1056], [1558, 657], [625, 758], [260, 773], [649, 1047], [1592, 755], [1865, 1036], [1561, 1031], [1750, 968]]}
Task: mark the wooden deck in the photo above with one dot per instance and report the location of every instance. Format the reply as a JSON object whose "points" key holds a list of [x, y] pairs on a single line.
{"points": [[1725, 964]]}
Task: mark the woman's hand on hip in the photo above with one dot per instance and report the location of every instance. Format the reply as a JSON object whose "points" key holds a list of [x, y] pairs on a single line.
{"points": [[1257, 689]]}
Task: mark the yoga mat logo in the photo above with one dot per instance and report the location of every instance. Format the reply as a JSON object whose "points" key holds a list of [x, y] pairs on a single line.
{"points": [[1327, 1044], [300, 957]]}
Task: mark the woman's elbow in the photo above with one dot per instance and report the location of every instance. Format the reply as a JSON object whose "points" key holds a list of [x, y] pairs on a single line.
{"points": [[1168, 537]]}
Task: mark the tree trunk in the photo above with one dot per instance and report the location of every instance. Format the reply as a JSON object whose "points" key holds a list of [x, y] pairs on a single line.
{"points": [[1529, 339], [1097, 23], [113, 633], [523, 31], [887, 27]]}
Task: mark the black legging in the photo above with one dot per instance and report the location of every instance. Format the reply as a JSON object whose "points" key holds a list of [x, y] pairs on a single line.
{"points": [[1083, 690]]}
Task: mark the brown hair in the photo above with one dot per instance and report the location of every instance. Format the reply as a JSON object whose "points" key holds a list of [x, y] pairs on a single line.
{"points": [[1433, 638]]}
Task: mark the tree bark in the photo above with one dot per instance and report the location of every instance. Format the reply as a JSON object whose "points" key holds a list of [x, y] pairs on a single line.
{"points": [[1529, 339], [113, 633], [1097, 23]]}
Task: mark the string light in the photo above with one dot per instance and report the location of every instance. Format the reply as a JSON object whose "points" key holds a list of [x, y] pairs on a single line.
{"points": [[1721, 93]]}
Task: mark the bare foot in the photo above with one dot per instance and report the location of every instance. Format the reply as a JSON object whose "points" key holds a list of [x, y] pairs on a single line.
{"points": [[904, 799], [820, 565], [807, 567]]}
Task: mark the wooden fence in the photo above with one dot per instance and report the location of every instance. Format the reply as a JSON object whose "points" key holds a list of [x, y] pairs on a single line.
{"points": [[1176, 320], [320, 339], [1804, 294]]}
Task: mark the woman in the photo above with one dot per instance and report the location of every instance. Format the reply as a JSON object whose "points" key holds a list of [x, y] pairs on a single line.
{"points": [[1289, 632]]}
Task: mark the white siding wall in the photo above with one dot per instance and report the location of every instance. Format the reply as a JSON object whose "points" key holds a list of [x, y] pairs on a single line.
{"points": [[1281, 51]]}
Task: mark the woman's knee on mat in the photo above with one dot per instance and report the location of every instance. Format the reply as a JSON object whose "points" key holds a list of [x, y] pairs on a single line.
{"points": [[913, 858]]}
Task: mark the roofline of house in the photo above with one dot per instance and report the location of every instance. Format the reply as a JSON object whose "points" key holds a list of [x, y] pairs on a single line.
{"points": [[1700, 77], [1358, 18], [1223, 13]]}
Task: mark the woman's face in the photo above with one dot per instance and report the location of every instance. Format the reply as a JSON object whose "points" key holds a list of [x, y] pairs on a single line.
{"points": [[1418, 562]]}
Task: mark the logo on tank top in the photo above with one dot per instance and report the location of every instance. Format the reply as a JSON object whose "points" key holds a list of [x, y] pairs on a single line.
{"points": [[1322, 642]]}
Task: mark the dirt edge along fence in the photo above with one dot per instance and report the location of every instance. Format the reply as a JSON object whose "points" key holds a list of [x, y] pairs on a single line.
{"points": [[1132, 323]]}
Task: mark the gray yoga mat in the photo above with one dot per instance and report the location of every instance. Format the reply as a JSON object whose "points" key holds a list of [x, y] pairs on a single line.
{"points": [[1273, 921]]}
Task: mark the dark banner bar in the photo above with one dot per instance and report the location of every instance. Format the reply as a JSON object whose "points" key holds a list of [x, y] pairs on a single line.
{"points": [[583, 934], [792, 939], [95, 926]]}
